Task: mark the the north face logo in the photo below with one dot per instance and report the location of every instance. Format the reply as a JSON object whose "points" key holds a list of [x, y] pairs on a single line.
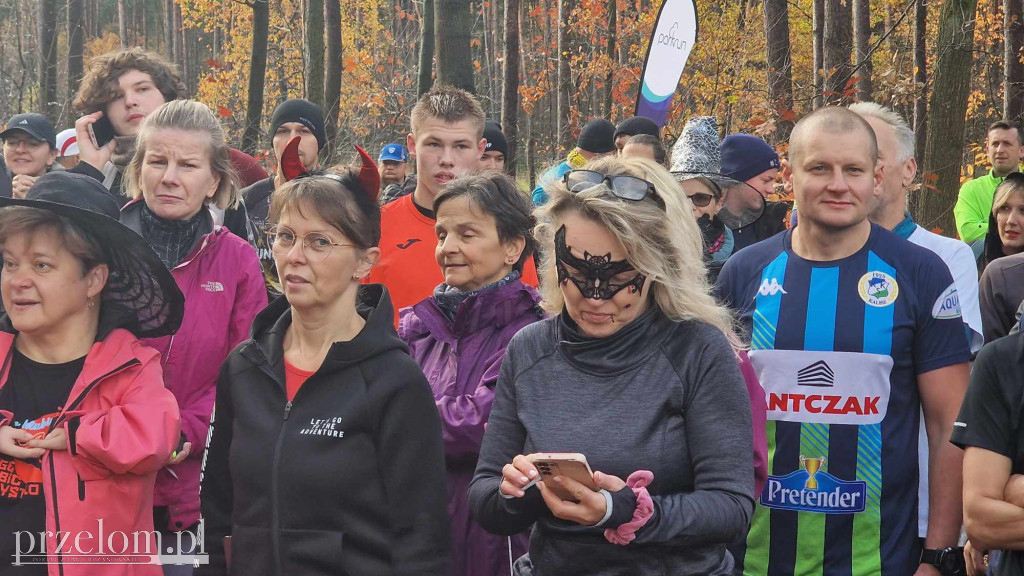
{"points": [[212, 286]]}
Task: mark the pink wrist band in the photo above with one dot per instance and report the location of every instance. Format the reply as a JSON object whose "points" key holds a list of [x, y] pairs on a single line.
{"points": [[637, 482]]}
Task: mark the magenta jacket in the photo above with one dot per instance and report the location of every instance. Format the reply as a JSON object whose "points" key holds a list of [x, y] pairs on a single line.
{"points": [[461, 360], [223, 286], [121, 424]]}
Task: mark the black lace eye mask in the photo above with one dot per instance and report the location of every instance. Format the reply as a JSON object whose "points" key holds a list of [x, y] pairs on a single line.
{"points": [[596, 271]]}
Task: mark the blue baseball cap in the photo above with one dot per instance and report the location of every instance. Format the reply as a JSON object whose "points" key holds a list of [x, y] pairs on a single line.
{"points": [[394, 152]]}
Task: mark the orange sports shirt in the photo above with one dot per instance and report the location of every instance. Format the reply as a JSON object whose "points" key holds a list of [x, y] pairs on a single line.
{"points": [[407, 265]]}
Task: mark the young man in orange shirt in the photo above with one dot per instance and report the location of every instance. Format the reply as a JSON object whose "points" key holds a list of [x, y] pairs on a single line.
{"points": [[447, 141]]}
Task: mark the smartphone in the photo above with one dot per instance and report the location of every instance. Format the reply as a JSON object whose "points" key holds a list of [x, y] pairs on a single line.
{"points": [[566, 464], [101, 132]]}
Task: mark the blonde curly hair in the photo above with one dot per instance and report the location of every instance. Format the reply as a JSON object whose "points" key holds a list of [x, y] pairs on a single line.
{"points": [[663, 244]]}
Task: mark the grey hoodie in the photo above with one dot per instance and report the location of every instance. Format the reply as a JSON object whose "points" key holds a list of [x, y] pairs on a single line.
{"points": [[657, 395]]}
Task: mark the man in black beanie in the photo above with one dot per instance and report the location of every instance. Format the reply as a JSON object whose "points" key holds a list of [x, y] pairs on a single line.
{"points": [[596, 139], [292, 118], [631, 127], [497, 147]]}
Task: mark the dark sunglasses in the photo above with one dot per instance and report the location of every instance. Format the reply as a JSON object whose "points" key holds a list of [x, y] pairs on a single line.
{"points": [[623, 186], [701, 200]]}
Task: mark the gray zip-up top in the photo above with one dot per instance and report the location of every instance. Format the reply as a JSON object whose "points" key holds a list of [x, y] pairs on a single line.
{"points": [[657, 395]]}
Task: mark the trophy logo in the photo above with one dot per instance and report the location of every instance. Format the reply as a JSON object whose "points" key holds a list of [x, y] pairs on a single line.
{"points": [[812, 465]]}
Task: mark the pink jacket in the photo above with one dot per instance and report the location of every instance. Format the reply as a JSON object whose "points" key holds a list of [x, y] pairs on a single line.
{"points": [[224, 290], [122, 425]]}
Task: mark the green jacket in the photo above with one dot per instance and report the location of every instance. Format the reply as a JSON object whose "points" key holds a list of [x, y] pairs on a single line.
{"points": [[973, 207]]}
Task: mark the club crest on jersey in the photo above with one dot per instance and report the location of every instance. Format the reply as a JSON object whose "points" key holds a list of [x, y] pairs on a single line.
{"points": [[811, 489], [878, 289], [948, 305]]}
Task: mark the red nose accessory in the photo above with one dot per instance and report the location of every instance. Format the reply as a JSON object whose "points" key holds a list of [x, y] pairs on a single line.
{"points": [[369, 178], [291, 164]]}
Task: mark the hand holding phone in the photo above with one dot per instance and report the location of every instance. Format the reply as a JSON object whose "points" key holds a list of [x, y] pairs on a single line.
{"points": [[95, 145], [564, 465]]}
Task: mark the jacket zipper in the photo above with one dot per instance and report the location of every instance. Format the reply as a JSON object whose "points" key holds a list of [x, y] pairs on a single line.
{"points": [[275, 528], [49, 457]]}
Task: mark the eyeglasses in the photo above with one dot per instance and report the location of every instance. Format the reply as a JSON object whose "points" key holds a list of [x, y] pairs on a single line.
{"points": [[622, 186], [319, 245], [701, 200]]}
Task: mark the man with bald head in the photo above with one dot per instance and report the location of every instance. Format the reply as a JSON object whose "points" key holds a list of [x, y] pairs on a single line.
{"points": [[854, 332]]}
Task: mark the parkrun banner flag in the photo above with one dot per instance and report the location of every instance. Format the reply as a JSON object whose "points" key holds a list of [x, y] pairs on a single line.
{"points": [[675, 33]]}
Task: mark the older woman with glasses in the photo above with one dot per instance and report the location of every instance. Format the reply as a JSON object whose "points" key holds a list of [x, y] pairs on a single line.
{"points": [[326, 455], [636, 371]]}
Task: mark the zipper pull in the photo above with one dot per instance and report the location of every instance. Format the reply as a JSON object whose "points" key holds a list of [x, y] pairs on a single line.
{"points": [[287, 409]]}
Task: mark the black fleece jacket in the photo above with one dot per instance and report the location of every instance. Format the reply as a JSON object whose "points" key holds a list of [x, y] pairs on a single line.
{"points": [[347, 479]]}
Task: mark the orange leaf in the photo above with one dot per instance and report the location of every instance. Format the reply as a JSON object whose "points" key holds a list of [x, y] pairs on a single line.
{"points": [[223, 111], [937, 230], [212, 63]]}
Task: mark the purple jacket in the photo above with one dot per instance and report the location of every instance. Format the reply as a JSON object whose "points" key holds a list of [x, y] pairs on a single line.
{"points": [[224, 290], [461, 361]]}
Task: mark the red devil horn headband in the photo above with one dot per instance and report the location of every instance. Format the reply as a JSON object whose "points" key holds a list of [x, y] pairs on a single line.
{"points": [[291, 164], [369, 177]]}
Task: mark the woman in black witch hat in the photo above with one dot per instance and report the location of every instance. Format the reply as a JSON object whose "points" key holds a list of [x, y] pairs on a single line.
{"points": [[85, 420]]}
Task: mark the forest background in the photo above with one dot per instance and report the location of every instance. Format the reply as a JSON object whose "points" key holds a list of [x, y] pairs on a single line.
{"points": [[544, 67]]}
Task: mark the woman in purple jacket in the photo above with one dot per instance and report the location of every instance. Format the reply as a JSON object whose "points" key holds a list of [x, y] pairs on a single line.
{"points": [[458, 337], [180, 169]]}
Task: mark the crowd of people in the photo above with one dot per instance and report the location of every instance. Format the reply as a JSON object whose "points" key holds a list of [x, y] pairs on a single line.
{"points": [[650, 364]]}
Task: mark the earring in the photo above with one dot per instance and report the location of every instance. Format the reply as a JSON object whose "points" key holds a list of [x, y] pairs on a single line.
{"points": [[92, 303], [510, 261]]}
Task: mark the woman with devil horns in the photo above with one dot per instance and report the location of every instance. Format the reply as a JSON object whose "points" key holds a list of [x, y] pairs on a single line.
{"points": [[326, 456], [180, 169]]}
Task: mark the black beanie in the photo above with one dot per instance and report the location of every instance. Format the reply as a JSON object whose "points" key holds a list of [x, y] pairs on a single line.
{"points": [[637, 125], [496, 141], [597, 136], [304, 112]]}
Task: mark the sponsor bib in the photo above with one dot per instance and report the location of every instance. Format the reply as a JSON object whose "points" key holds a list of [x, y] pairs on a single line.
{"points": [[824, 387]]}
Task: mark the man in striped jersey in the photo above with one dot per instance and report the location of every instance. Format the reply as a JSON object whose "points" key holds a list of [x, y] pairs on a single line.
{"points": [[854, 333]]}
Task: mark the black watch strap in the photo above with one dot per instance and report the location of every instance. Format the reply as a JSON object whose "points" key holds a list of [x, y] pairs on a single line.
{"points": [[931, 556]]}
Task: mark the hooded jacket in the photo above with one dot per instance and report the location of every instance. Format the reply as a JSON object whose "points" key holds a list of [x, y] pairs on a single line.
{"points": [[224, 291], [121, 425], [461, 360], [346, 479]]}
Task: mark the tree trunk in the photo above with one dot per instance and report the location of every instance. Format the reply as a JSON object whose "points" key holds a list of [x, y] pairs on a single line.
{"points": [[332, 80], [47, 70], [179, 39], [76, 48], [510, 85], [1013, 70], [426, 68], [122, 24], [862, 48], [564, 125], [920, 78], [818, 30], [838, 47], [947, 107], [313, 50], [257, 75], [613, 34], [780, 65], [453, 25], [168, 29]]}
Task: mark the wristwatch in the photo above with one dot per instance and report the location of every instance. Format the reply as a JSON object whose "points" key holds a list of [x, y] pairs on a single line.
{"points": [[949, 561]]}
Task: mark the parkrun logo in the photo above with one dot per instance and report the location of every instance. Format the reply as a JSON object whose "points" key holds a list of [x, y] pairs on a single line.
{"points": [[670, 39], [811, 489]]}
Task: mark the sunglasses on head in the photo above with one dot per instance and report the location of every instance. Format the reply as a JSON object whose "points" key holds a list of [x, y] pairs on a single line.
{"points": [[622, 186]]}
